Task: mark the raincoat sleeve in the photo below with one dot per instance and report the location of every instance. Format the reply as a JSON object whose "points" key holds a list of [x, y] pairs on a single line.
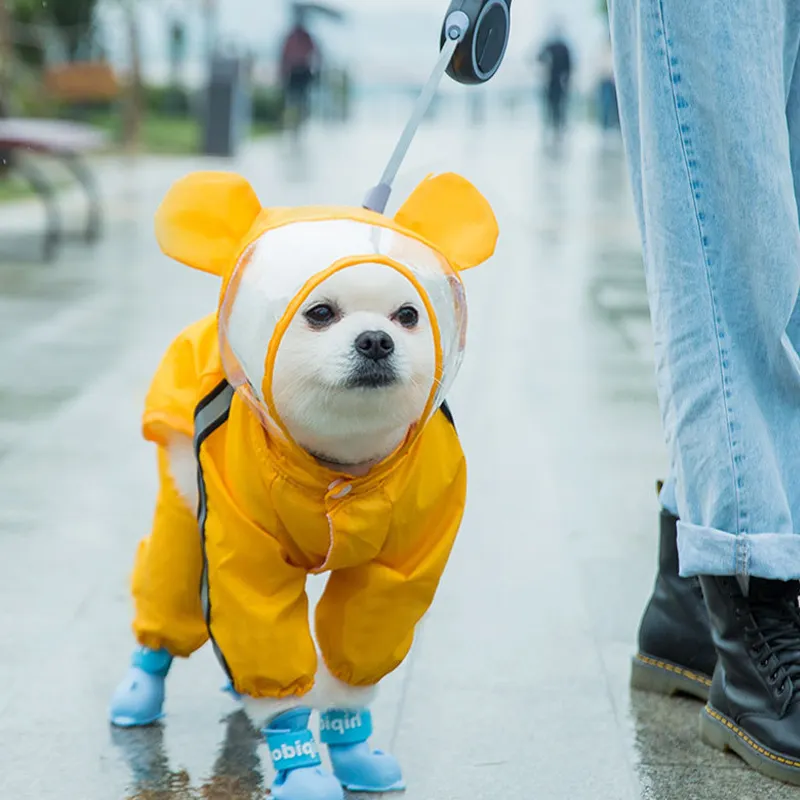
{"points": [[191, 361], [366, 618]]}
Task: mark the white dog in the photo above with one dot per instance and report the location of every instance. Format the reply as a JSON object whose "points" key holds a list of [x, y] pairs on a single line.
{"points": [[302, 430]]}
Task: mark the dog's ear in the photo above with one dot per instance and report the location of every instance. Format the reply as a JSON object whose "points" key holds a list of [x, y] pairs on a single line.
{"points": [[454, 216], [204, 218]]}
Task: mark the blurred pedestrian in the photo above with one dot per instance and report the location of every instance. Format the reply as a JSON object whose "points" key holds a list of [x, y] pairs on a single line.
{"points": [[608, 112], [710, 107], [300, 64], [556, 57]]}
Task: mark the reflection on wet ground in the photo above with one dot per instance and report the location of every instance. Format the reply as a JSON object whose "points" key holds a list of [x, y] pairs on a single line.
{"points": [[517, 685], [236, 773]]}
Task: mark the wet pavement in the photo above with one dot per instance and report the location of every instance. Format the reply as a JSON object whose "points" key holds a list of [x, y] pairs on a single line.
{"points": [[517, 685]]}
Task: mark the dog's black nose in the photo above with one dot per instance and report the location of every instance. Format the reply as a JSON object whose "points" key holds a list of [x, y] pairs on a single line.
{"points": [[375, 345]]}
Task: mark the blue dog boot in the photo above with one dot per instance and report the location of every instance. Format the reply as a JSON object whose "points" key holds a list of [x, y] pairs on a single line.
{"points": [[296, 760], [355, 764], [139, 699]]}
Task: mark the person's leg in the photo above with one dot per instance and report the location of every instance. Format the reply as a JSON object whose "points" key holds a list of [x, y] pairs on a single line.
{"points": [[603, 105], [291, 109], [559, 109], [550, 108], [792, 62], [667, 495], [308, 85], [614, 106], [722, 251], [675, 653]]}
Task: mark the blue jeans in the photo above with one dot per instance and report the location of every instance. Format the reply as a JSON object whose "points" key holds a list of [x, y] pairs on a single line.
{"points": [[709, 96]]}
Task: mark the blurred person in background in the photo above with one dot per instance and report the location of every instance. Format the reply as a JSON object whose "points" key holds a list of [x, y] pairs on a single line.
{"points": [[608, 112], [709, 97], [556, 58], [300, 64]]}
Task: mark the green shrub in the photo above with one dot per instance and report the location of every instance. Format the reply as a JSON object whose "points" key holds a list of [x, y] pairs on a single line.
{"points": [[172, 101]]}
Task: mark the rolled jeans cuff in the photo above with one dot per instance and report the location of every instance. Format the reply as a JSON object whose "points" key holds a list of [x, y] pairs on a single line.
{"points": [[707, 551]]}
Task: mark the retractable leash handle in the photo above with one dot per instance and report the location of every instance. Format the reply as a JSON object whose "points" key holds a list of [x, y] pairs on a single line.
{"points": [[479, 54], [473, 43]]}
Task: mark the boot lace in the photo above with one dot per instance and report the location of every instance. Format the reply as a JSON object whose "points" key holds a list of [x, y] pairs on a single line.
{"points": [[775, 630]]}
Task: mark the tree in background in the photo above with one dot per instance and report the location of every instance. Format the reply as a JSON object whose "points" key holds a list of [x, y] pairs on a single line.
{"points": [[75, 18], [177, 51], [6, 52], [72, 20], [133, 109]]}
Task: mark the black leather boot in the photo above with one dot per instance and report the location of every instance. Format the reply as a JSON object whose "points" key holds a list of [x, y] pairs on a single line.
{"points": [[754, 704], [676, 653]]}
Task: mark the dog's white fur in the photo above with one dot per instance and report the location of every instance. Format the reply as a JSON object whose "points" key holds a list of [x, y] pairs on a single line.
{"points": [[328, 692], [183, 469], [347, 426], [340, 424]]}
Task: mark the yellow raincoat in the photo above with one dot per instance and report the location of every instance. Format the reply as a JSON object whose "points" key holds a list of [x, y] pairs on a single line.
{"points": [[269, 514]]}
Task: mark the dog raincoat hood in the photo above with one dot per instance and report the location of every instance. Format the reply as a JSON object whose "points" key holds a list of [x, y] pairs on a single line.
{"points": [[271, 259]]}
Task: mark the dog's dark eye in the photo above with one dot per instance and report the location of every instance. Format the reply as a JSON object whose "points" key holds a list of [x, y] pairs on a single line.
{"points": [[320, 316], [407, 316]]}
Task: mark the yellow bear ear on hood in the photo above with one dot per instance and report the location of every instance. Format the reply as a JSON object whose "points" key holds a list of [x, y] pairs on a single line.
{"points": [[454, 216], [204, 218]]}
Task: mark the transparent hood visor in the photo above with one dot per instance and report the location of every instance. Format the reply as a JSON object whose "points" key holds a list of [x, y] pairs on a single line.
{"points": [[278, 271]]}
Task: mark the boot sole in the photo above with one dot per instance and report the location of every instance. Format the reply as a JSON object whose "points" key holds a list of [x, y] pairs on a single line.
{"points": [[663, 677], [400, 786], [717, 731], [133, 722]]}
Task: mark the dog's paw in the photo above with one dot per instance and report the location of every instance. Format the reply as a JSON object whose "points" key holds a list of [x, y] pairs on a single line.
{"points": [[330, 692]]}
